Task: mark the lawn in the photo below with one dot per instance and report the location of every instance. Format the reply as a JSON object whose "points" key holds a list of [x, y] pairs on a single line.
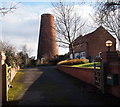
{"points": [[18, 86], [87, 65]]}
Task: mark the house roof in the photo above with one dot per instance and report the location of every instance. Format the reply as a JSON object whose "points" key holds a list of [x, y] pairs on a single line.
{"points": [[99, 28], [91, 34]]}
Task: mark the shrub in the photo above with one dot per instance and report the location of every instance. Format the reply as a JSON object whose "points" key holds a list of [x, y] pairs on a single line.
{"points": [[73, 62], [98, 59], [59, 58], [54, 61]]}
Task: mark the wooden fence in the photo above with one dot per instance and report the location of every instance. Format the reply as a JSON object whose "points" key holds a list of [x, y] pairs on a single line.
{"points": [[0, 80], [6, 76]]}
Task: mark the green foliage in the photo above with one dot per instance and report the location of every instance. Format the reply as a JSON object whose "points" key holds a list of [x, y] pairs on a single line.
{"points": [[73, 62], [14, 58], [22, 59], [38, 62], [10, 57], [54, 61], [32, 61], [98, 59], [63, 57]]}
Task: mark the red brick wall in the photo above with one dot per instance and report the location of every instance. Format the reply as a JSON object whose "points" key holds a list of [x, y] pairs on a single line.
{"points": [[84, 74], [87, 75], [94, 42], [80, 44]]}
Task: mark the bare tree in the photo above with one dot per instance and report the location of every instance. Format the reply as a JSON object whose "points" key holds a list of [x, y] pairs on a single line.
{"points": [[7, 7], [25, 52], [107, 15], [68, 24], [24, 49]]}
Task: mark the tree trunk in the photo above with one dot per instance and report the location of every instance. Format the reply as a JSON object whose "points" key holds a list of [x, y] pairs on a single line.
{"points": [[72, 51]]}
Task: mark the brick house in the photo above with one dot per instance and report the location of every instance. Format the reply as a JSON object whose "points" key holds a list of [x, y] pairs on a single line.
{"points": [[93, 44]]}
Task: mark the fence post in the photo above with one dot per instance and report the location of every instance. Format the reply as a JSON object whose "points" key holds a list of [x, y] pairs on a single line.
{"points": [[3, 79], [4, 85], [0, 80]]}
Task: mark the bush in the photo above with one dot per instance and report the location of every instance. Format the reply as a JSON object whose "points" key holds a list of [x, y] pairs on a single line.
{"points": [[73, 62], [98, 59], [54, 61]]}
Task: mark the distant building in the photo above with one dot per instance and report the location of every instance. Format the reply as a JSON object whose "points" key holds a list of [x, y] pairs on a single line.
{"points": [[47, 46], [93, 44]]}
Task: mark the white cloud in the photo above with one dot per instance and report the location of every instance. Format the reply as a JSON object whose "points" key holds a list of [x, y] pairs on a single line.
{"points": [[22, 26], [58, 0]]}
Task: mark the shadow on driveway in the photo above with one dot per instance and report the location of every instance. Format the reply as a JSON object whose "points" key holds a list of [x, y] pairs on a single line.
{"points": [[47, 86]]}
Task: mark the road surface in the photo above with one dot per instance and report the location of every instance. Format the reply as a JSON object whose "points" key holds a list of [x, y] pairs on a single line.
{"points": [[47, 86]]}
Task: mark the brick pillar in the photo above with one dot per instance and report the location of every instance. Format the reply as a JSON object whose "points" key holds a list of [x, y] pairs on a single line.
{"points": [[112, 71]]}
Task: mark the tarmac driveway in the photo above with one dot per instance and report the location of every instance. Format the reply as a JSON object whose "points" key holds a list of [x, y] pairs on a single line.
{"points": [[47, 86]]}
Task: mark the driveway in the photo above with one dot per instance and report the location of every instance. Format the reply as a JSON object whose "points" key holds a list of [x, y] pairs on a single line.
{"points": [[48, 86]]}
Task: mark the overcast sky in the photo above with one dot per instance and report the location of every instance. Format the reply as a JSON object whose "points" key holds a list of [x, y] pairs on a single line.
{"points": [[22, 26]]}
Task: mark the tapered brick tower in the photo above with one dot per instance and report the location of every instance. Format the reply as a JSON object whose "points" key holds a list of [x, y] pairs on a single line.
{"points": [[47, 46]]}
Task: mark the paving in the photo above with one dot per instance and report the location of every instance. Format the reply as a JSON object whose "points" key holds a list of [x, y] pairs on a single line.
{"points": [[47, 86]]}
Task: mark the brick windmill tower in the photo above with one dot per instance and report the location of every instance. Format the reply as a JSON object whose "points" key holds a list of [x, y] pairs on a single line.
{"points": [[47, 46]]}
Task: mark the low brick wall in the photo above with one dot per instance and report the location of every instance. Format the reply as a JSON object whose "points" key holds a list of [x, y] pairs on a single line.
{"points": [[84, 74]]}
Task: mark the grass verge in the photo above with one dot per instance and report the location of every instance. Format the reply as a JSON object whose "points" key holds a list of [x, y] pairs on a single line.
{"points": [[18, 86]]}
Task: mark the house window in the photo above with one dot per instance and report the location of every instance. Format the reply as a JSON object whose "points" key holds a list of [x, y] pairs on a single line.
{"points": [[82, 54], [77, 55], [71, 57], [100, 54]]}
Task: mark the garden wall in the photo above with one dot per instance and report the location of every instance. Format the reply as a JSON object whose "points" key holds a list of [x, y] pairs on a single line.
{"points": [[111, 68], [84, 74]]}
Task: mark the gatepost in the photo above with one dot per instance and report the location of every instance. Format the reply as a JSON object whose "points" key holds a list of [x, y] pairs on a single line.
{"points": [[3, 79], [0, 80], [112, 71]]}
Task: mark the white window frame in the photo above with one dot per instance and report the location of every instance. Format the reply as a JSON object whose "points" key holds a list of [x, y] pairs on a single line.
{"points": [[83, 54], [77, 55]]}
